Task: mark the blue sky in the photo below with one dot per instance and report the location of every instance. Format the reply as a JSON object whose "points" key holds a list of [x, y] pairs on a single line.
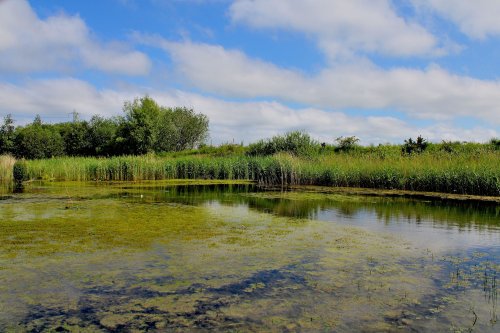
{"points": [[378, 69]]}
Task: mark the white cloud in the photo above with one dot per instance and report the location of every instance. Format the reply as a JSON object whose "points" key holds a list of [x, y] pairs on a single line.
{"points": [[433, 93], [341, 26], [57, 98], [229, 72], [28, 44], [475, 18], [242, 121]]}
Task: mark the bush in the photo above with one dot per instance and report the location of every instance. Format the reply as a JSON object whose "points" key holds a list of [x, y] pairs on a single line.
{"points": [[450, 146], [346, 144], [495, 143], [296, 143], [414, 147], [20, 171]]}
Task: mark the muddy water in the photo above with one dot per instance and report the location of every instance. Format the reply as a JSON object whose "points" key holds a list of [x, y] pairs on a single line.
{"points": [[195, 257]]}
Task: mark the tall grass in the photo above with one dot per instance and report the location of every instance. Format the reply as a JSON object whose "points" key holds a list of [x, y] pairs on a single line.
{"points": [[477, 174], [6, 167]]}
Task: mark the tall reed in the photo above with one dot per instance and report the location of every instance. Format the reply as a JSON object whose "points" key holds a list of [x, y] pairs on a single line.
{"points": [[6, 167], [477, 174]]}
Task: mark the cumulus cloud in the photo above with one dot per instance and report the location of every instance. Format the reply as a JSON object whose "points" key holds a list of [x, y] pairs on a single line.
{"points": [[55, 99], [433, 93], [60, 42], [239, 121], [341, 26], [477, 19]]}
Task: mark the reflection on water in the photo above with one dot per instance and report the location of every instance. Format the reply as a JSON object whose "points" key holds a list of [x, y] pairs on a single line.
{"points": [[156, 256]]}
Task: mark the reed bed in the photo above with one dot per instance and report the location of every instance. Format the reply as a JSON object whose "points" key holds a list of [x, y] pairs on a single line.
{"points": [[6, 167], [474, 174]]}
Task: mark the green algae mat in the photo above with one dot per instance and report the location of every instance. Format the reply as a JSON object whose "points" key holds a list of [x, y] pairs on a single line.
{"points": [[216, 256]]}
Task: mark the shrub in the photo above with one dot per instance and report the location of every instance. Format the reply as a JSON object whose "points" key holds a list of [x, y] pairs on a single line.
{"points": [[20, 171], [346, 143], [414, 147], [450, 146], [296, 143], [495, 143]]}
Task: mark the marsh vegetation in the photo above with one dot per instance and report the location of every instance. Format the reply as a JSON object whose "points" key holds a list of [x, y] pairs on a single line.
{"points": [[152, 142], [472, 174]]}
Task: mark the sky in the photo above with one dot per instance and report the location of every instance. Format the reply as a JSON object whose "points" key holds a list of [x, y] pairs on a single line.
{"points": [[380, 70]]}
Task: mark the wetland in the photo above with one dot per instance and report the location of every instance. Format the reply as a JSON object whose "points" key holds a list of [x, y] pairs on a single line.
{"points": [[234, 256]]}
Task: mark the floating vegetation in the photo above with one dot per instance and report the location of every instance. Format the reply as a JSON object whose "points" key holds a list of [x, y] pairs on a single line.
{"points": [[162, 256]]}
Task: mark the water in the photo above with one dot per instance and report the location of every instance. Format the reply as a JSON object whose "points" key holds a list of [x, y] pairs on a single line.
{"points": [[160, 256]]}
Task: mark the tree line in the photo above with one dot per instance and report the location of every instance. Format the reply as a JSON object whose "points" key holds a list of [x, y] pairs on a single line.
{"points": [[144, 127]]}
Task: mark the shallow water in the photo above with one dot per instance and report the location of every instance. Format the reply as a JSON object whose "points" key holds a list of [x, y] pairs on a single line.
{"points": [[159, 256]]}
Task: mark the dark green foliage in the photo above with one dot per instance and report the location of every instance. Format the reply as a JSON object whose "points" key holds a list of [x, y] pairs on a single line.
{"points": [[180, 129], [20, 171], [38, 140], [7, 135], [495, 143], [138, 130], [101, 136], [346, 144], [148, 127], [414, 147], [450, 146], [296, 143], [75, 137]]}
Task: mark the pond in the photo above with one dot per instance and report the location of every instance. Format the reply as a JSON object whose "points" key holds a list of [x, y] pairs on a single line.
{"points": [[186, 256]]}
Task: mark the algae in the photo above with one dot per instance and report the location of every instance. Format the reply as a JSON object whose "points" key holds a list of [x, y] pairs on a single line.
{"points": [[129, 257]]}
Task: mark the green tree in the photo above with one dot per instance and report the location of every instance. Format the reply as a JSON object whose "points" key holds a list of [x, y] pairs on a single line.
{"points": [[148, 127], [76, 138], [102, 135], [138, 130], [7, 135], [38, 140], [181, 128]]}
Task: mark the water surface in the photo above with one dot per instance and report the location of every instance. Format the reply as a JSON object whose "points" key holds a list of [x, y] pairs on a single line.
{"points": [[234, 257]]}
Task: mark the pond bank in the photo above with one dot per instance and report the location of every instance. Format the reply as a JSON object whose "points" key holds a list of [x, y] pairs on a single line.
{"points": [[474, 175]]}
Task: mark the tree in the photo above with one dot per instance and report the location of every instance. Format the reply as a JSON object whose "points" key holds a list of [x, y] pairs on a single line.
{"points": [[7, 135], [102, 135], [76, 138], [149, 127], [138, 130], [181, 128], [38, 140]]}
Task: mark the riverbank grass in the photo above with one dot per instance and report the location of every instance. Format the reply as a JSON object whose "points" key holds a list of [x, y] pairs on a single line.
{"points": [[472, 174]]}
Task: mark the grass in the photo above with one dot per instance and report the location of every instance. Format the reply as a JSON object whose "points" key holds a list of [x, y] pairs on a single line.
{"points": [[434, 171], [6, 167]]}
